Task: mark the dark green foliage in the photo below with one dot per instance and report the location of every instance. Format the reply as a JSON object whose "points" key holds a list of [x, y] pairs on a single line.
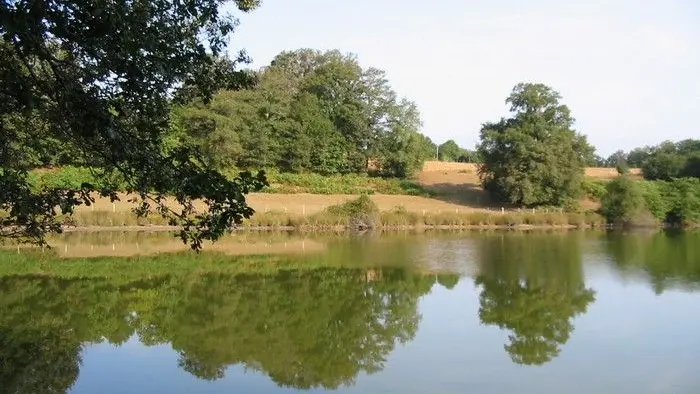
{"points": [[655, 200], [96, 81], [320, 112], [637, 157], [617, 160], [675, 202], [535, 157], [672, 160], [623, 202], [682, 201], [361, 213], [594, 189], [450, 151]]}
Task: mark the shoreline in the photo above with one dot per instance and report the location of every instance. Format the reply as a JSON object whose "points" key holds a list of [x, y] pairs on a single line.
{"points": [[311, 228]]}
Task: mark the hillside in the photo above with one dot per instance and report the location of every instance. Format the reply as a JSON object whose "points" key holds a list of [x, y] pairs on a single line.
{"points": [[455, 186]]}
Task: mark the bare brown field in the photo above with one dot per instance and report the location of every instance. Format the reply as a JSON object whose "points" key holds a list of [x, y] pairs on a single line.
{"points": [[303, 204], [430, 167], [459, 183]]}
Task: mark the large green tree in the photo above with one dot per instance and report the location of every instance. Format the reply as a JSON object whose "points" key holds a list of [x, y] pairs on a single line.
{"points": [[100, 77], [534, 157]]}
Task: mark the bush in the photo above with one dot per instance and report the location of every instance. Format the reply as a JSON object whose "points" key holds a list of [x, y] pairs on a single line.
{"points": [[593, 189], [623, 202], [654, 200], [361, 213], [682, 197]]}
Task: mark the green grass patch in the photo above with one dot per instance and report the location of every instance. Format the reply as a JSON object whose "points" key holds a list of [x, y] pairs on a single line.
{"points": [[281, 183], [289, 183]]}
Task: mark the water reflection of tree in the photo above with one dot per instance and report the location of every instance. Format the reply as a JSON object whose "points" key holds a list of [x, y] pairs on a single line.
{"points": [[668, 258], [533, 286], [304, 329], [33, 361]]}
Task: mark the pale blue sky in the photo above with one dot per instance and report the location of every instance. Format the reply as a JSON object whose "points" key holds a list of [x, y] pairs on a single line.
{"points": [[628, 69]]}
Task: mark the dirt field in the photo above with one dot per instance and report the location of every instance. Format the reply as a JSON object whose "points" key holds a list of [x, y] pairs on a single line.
{"points": [[430, 167], [456, 184], [459, 183]]}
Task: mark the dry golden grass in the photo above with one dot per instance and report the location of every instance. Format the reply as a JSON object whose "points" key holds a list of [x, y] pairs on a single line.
{"points": [[456, 184], [298, 204], [430, 167]]}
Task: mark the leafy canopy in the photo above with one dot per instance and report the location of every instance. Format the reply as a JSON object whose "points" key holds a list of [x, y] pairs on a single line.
{"points": [[100, 78], [534, 157], [312, 111]]}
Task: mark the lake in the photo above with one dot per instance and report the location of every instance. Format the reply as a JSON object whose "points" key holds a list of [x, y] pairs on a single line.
{"points": [[484, 312]]}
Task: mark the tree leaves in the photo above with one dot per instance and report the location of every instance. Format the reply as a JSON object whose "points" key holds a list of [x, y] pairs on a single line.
{"points": [[101, 78], [535, 157]]}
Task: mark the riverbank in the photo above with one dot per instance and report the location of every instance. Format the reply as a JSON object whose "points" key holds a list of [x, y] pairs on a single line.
{"points": [[339, 217]]}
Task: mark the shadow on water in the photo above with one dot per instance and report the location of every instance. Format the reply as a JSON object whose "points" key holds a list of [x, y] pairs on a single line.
{"points": [[311, 321]]}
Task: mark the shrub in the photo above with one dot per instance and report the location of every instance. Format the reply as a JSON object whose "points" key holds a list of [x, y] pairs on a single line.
{"points": [[655, 202], [361, 213], [683, 201], [593, 189], [623, 201]]}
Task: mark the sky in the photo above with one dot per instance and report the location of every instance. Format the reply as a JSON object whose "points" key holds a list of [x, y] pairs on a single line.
{"points": [[629, 70]]}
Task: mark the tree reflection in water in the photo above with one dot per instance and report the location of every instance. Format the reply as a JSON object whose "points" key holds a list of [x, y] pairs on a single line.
{"points": [[533, 286], [304, 329]]}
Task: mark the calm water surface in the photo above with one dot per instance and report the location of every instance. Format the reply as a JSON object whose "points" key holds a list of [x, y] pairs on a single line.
{"points": [[575, 312]]}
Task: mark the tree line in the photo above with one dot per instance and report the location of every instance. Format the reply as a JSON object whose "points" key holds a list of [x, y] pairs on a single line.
{"points": [[664, 161], [308, 111]]}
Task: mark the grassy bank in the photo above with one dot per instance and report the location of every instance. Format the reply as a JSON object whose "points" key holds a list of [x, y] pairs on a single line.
{"points": [[363, 213]]}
